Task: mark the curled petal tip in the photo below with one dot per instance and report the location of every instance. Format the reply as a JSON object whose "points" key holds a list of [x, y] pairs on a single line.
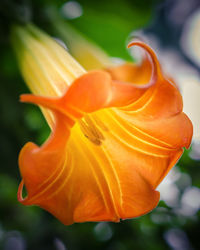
{"points": [[46, 102], [135, 42], [21, 98], [156, 70], [19, 192]]}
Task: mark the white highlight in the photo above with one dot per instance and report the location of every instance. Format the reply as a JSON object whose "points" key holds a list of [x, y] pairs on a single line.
{"points": [[71, 10]]}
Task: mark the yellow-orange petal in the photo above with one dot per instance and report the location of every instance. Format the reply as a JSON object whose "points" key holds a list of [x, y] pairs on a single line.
{"points": [[111, 145]]}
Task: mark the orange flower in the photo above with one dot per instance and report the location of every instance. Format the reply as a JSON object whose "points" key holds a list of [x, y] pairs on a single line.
{"points": [[114, 138]]}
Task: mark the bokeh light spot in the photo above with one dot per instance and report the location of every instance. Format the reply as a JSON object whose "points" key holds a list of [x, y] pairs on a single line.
{"points": [[177, 239], [103, 231], [71, 10]]}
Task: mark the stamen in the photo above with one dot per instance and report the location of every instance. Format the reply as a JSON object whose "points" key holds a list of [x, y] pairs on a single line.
{"points": [[90, 130], [99, 122], [95, 130]]}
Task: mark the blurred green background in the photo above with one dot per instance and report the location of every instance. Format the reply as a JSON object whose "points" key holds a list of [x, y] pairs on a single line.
{"points": [[175, 223]]}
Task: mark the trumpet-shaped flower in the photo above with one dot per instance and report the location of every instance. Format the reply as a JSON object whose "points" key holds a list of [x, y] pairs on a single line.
{"points": [[115, 134]]}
